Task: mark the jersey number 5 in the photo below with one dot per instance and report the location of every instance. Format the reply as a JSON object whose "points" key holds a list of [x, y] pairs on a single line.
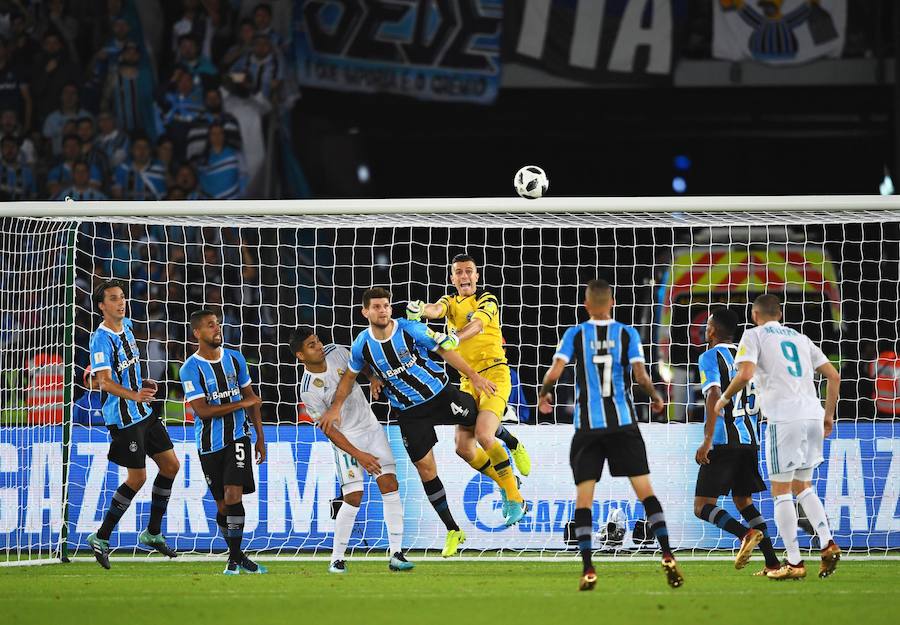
{"points": [[604, 369]]}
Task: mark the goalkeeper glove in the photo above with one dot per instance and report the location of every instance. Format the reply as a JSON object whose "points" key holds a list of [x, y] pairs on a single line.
{"points": [[414, 310], [445, 341]]}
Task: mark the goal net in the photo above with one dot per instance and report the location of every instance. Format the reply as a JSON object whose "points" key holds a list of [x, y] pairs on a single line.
{"points": [[269, 267]]}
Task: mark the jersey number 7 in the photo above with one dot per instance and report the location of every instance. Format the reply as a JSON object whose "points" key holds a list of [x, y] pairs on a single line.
{"points": [[604, 369]]}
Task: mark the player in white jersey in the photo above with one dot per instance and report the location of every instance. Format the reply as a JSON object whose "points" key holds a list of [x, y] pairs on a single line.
{"points": [[784, 362], [359, 443]]}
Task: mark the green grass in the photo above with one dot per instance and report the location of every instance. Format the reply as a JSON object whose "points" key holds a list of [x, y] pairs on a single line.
{"points": [[458, 593]]}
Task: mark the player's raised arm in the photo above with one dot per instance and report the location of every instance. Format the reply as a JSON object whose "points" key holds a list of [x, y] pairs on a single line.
{"points": [[416, 309], [332, 416]]}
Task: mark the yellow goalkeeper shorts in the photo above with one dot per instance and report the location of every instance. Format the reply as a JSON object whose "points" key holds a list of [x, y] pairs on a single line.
{"points": [[496, 403]]}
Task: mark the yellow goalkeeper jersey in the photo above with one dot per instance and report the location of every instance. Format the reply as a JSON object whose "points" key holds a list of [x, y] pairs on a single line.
{"points": [[486, 348]]}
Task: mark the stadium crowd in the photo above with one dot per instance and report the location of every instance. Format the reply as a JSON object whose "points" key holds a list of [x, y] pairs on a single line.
{"points": [[146, 100]]}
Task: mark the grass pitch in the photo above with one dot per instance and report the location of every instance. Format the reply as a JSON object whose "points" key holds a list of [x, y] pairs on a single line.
{"points": [[457, 593]]}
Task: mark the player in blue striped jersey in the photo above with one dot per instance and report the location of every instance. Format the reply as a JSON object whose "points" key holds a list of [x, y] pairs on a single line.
{"points": [[135, 432], [728, 456], [217, 386], [396, 350], [605, 354]]}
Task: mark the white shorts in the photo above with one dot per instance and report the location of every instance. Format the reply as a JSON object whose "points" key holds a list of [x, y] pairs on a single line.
{"points": [[794, 449], [372, 441]]}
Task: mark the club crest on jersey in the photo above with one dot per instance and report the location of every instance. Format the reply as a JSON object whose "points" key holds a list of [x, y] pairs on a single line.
{"points": [[318, 382], [350, 473], [231, 379], [132, 446], [403, 354], [341, 371], [469, 316]]}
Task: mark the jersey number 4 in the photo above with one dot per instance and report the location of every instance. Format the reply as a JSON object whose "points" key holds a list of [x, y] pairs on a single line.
{"points": [[604, 370]]}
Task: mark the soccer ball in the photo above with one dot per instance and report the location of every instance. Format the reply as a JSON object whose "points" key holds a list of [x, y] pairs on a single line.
{"points": [[531, 182]]}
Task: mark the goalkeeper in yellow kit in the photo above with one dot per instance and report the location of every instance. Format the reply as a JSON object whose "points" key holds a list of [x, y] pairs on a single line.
{"points": [[474, 317]]}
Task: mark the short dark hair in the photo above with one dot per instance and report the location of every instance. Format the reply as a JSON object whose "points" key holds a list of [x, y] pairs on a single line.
{"points": [[298, 336], [264, 6], [726, 322], [598, 290], [71, 137], [100, 292], [376, 292], [463, 258], [198, 316], [768, 304]]}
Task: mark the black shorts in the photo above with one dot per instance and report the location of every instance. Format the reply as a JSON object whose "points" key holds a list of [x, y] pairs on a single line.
{"points": [[624, 450], [732, 470], [449, 407], [130, 446], [230, 466]]}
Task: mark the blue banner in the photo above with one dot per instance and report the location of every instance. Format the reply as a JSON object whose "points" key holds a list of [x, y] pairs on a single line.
{"points": [[859, 484], [448, 50]]}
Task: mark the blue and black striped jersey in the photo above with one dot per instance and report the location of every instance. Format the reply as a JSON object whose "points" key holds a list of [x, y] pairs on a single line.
{"points": [[410, 375], [220, 382], [736, 424], [118, 352], [603, 352]]}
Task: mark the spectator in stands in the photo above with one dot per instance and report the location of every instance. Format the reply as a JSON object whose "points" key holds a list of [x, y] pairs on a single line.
{"points": [[165, 154], [61, 175], [222, 175], [189, 56], [16, 179], [180, 107], [24, 48], [194, 22], [81, 188], [53, 71], [9, 125], [91, 153], [129, 92], [69, 110], [54, 16], [199, 130], [106, 61], [15, 93], [244, 44], [262, 69], [88, 410], [262, 20], [140, 178], [186, 180], [114, 142]]}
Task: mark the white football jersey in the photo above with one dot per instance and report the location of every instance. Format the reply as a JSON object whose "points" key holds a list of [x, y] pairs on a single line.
{"points": [[786, 363], [317, 393]]}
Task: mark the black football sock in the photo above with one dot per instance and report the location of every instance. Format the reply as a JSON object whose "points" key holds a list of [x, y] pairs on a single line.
{"points": [[507, 437], [721, 519], [438, 498], [162, 490], [756, 521], [120, 501], [583, 531], [657, 521], [234, 530]]}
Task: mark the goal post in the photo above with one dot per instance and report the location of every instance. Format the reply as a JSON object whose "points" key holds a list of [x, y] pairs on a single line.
{"points": [[267, 267]]}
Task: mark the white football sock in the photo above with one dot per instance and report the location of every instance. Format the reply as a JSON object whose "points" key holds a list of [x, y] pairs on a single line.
{"points": [[786, 522], [815, 512], [343, 526], [393, 518]]}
